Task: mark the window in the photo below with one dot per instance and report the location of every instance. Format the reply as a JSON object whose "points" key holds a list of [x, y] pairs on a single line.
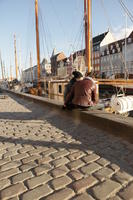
{"points": [[129, 40], [117, 45], [119, 49], [113, 51], [60, 89]]}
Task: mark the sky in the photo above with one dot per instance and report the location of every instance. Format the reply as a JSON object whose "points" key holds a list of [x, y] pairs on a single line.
{"points": [[60, 27]]}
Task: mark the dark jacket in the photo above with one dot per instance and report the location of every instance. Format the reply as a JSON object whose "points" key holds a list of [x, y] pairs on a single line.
{"points": [[83, 93], [68, 87]]}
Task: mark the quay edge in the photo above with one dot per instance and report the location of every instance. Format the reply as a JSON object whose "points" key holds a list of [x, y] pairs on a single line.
{"points": [[117, 125]]}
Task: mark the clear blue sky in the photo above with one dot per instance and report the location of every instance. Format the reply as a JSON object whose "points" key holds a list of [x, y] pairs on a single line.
{"points": [[61, 26]]}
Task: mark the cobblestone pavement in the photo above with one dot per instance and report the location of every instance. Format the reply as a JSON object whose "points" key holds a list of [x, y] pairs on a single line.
{"points": [[46, 155]]}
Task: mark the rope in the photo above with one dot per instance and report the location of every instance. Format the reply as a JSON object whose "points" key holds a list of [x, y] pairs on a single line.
{"points": [[111, 30], [45, 35], [126, 9], [78, 36], [123, 61], [59, 21], [30, 26]]}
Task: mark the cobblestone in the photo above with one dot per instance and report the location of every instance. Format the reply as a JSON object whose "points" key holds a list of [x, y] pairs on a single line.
{"points": [[75, 174], [60, 182], [45, 155], [44, 160], [75, 155], [42, 169], [28, 166], [60, 171], [21, 177], [39, 180], [49, 152], [9, 173], [9, 154], [91, 168], [102, 161], [127, 193], [12, 191], [4, 161], [104, 173], [19, 156], [115, 198], [14, 198], [83, 184], [4, 183], [84, 197], [106, 189], [61, 161], [76, 164], [37, 193], [64, 194], [60, 154], [91, 158], [30, 159], [123, 177], [10, 165]]}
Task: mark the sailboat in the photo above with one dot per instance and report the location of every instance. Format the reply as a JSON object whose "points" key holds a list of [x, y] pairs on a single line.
{"points": [[53, 87]]}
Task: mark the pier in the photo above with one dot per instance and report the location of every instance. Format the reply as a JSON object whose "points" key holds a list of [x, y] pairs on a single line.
{"points": [[47, 153]]}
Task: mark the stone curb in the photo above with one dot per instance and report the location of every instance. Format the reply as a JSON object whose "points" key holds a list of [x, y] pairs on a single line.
{"points": [[114, 124]]}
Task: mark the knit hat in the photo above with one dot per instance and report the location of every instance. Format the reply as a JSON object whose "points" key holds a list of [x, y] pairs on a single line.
{"points": [[77, 74]]}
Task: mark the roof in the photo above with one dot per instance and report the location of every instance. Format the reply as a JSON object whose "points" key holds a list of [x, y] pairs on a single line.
{"points": [[55, 56], [98, 39], [116, 46]]}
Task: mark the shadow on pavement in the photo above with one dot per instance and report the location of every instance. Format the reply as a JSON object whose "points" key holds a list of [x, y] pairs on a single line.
{"points": [[100, 142]]}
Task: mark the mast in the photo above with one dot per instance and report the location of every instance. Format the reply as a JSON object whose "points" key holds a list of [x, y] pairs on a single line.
{"points": [[37, 42], [125, 75], [31, 67], [1, 67], [10, 72], [16, 62], [88, 47], [86, 43], [4, 70]]}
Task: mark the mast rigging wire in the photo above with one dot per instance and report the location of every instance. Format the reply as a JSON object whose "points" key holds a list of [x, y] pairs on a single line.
{"points": [[123, 61], [45, 35], [111, 30], [29, 35], [78, 35], [126, 9]]}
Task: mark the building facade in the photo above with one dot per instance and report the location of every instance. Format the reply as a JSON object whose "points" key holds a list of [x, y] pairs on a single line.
{"points": [[55, 62], [31, 74], [98, 42], [117, 59]]}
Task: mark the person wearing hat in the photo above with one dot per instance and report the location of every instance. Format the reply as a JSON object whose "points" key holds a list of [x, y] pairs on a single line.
{"points": [[76, 77], [83, 93]]}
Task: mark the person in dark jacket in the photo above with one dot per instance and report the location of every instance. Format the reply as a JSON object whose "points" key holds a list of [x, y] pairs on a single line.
{"points": [[84, 94], [76, 76], [81, 94]]}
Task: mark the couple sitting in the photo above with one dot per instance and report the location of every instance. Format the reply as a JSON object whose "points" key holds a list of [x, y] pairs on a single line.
{"points": [[80, 92]]}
